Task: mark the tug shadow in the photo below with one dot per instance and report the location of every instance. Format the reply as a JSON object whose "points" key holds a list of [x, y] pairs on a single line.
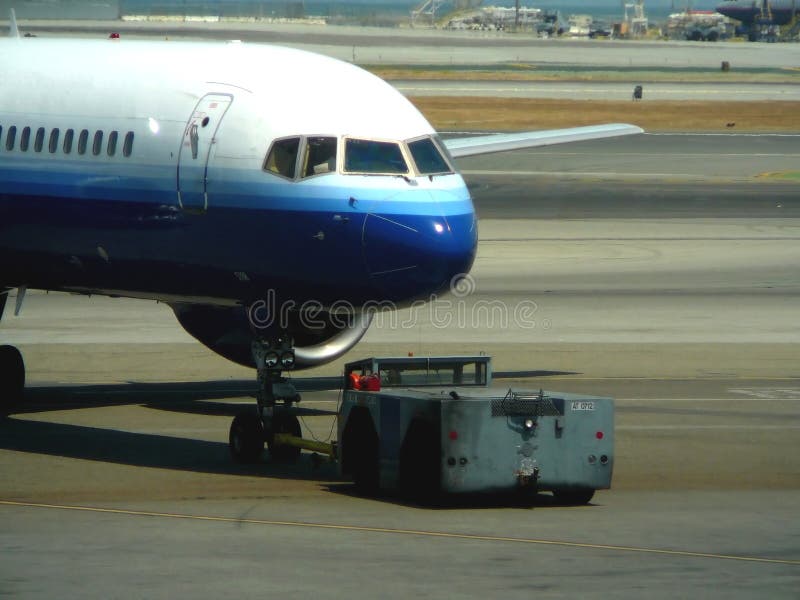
{"points": [[522, 500]]}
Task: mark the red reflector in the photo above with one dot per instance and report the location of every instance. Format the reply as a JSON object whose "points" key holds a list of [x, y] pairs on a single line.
{"points": [[354, 381], [370, 383], [453, 435], [599, 435]]}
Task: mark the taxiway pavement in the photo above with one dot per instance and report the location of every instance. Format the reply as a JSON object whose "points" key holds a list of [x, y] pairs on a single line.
{"points": [[602, 90]]}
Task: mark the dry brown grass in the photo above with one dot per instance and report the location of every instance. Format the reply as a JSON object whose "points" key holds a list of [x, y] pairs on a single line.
{"points": [[531, 73], [513, 114]]}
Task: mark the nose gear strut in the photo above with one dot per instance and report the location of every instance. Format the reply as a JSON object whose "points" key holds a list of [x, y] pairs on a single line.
{"points": [[274, 399]]}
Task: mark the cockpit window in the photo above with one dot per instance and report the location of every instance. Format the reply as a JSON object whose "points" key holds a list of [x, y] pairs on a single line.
{"points": [[428, 158], [320, 156], [282, 157], [372, 157]]}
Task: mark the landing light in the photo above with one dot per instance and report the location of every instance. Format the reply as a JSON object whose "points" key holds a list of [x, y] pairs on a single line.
{"points": [[438, 227], [287, 360], [271, 360], [153, 125], [530, 424]]}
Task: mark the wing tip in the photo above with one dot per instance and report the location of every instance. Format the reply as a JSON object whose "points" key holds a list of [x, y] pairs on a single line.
{"points": [[13, 30], [487, 144]]}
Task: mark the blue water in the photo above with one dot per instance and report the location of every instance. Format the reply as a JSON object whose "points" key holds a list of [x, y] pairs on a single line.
{"points": [[608, 9]]}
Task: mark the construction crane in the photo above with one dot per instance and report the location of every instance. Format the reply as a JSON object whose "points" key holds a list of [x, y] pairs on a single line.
{"points": [[427, 8], [635, 19]]}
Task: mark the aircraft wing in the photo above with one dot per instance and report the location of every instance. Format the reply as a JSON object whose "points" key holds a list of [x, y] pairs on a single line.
{"points": [[485, 144]]}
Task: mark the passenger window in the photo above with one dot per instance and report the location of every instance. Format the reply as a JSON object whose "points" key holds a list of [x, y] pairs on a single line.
{"points": [[127, 145], [25, 139], [427, 157], [53, 145], [11, 137], [369, 156], [112, 143], [83, 139], [97, 144], [38, 142], [69, 134], [282, 157], [320, 156]]}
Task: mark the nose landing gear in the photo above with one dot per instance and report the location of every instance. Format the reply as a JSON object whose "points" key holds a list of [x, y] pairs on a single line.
{"points": [[251, 429]]}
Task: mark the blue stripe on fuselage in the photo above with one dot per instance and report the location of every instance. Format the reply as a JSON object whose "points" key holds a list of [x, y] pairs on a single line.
{"points": [[57, 225], [237, 188]]}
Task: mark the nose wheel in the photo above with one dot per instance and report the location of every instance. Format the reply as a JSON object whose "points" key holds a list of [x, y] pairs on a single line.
{"points": [[246, 438], [12, 378], [248, 434]]}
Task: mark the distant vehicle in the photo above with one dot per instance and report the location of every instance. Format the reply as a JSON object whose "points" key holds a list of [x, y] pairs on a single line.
{"points": [[756, 14], [552, 24], [600, 29], [113, 35], [703, 34]]}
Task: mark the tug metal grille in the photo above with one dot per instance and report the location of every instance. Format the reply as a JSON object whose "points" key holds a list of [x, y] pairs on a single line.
{"points": [[525, 405]]}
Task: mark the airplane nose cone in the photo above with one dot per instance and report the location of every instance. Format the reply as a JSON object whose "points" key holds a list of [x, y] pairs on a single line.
{"points": [[411, 256]]}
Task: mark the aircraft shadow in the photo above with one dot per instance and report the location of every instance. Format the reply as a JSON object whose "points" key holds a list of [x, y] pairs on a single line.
{"points": [[197, 397], [211, 398], [526, 374], [148, 450], [48, 398], [189, 397]]}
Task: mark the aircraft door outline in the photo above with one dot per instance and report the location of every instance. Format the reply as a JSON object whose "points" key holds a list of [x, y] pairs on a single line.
{"points": [[199, 136]]}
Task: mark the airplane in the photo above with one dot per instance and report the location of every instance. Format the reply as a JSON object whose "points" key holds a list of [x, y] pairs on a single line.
{"points": [[270, 196], [755, 13]]}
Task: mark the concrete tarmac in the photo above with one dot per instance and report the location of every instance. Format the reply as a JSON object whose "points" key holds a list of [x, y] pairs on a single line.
{"points": [[670, 283], [603, 90]]}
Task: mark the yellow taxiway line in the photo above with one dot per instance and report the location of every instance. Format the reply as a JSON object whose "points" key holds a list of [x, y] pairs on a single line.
{"points": [[408, 532]]}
